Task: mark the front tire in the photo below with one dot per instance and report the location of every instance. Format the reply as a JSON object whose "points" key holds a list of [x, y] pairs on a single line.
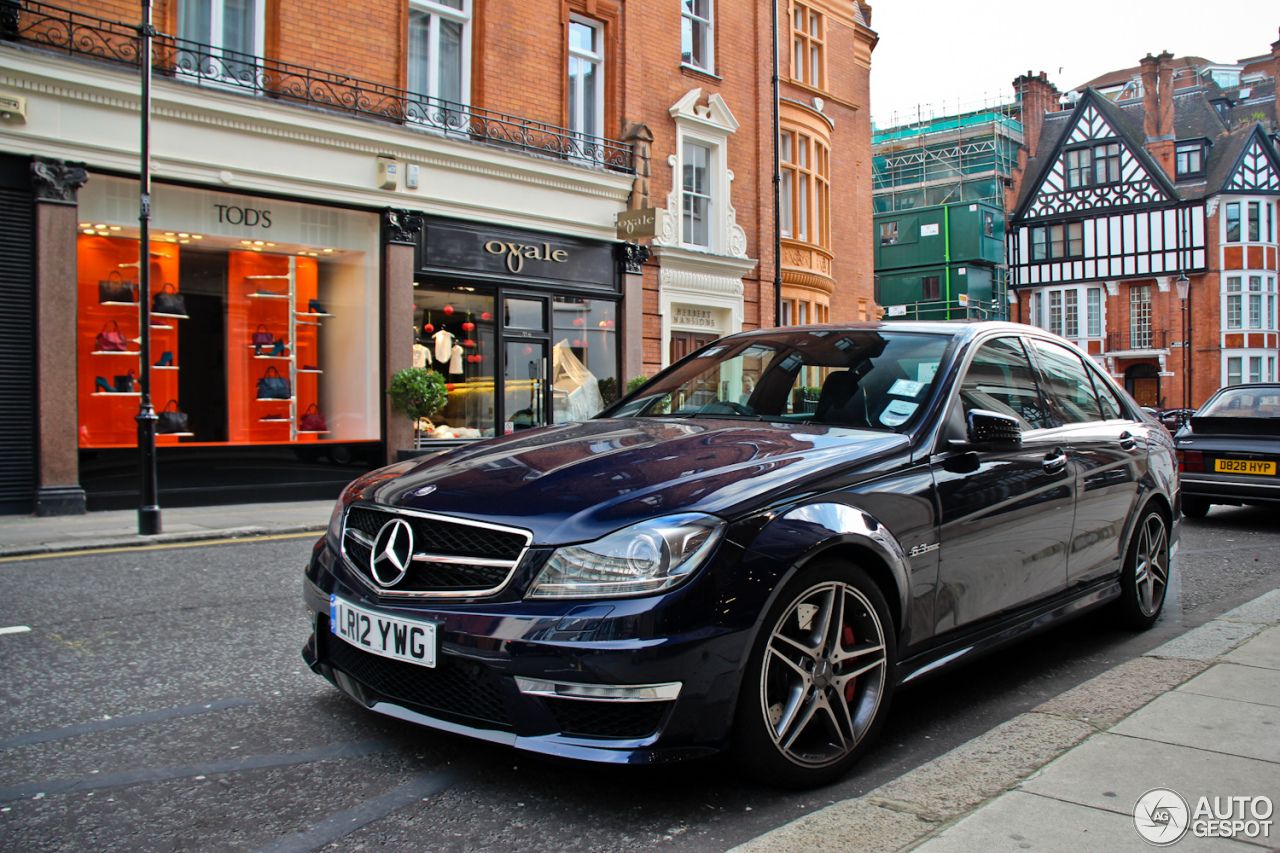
{"points": [[819, 679], [1145, 578]]}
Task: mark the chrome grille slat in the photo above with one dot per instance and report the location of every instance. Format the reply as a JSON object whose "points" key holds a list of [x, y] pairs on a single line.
{"points": [[452, 557]]}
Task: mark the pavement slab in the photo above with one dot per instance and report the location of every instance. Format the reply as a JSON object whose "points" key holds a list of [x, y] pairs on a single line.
{"points": [[1023, 821], [1203, 722], [851, 826], [1263, 651], [1208, 642], [1110, 772], [1258, 685], [1115, 694], [1264, 609]]}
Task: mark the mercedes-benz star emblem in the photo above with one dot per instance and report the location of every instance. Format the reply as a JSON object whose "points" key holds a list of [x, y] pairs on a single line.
{"points": [[392, 552]]}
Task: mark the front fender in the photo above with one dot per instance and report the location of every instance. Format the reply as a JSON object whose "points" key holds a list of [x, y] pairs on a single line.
{"points": [[814, 529]]}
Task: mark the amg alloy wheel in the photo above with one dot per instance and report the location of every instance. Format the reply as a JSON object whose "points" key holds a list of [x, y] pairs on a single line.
{"points": [[1145, 578], [820, 679]]}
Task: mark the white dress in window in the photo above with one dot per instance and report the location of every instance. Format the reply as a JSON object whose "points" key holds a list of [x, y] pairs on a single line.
{"points": [[444, 345], [455, 360]]}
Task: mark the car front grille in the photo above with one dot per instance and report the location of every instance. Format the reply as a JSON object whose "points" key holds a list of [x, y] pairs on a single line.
{"points": [[454, 686], [452, 557], [621, 720]]}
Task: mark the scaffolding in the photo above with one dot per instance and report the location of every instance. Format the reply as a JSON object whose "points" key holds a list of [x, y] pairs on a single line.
{"points": [[946, 159]]}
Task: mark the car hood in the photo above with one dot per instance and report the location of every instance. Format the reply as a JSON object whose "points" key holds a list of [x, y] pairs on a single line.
{"points": [[575, 482]]}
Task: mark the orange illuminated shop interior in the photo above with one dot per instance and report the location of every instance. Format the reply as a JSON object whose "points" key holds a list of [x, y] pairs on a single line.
{"points": [[242, 316]]}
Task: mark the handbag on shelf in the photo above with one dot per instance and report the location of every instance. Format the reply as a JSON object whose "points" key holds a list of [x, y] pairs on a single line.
{"points": [[124, 383], [262, 337], [168, 301], [111, 341], [273, 386], [171, 420], [312, 420], [117, 289]]}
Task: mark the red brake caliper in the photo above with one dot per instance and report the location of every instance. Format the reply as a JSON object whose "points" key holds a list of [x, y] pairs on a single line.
{"points": [[846, 639]]}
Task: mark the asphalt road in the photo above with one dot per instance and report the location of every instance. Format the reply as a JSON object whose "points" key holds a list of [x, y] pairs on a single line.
{"points": [[159, 703]]}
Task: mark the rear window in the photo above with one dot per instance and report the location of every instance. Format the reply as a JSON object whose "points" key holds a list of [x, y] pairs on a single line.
{"points": [[1243, 403]]}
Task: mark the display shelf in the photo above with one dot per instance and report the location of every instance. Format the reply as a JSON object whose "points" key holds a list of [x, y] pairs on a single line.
{"points": [[161, 325], [130, 304], [272, 357], [276, 399], [174, 316], [279, 420], [165, 367], [304, 370], [116, 394], [267, 296], [313, 432], [277, 277], [311, 314], [134, 264], [160, 434], [133, 353]]}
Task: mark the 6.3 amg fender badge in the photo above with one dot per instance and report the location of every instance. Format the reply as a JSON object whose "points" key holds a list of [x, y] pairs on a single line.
{"points": [[392, 552]]}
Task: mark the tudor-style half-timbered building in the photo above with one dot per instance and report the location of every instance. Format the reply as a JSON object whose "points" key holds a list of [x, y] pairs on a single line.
{"points": [[1117, 205]]}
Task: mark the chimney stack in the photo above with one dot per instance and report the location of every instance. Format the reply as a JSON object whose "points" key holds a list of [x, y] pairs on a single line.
{"points": [[1036, 96], [1157, 108], [1275, 75]]}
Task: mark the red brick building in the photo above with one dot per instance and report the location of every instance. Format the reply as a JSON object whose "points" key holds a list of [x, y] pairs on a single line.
{"points": [[1148, 184], [437, 183]]}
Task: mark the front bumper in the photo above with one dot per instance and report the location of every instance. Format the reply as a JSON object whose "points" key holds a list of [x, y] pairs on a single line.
{"points": [[497, 655]]}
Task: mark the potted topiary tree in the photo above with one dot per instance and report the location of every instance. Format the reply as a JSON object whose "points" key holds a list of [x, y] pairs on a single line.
{"points": [[419, 393]]}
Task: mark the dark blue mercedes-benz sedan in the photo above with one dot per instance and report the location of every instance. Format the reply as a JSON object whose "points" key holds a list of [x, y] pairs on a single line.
{"points": [[750, 551]]}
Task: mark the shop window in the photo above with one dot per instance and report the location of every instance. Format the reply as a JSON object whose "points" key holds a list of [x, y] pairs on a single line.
{"points": [[586, 77], [584, 357], [454, 334], [258, 341], [808, 33], [439, 55], [697, 30]]}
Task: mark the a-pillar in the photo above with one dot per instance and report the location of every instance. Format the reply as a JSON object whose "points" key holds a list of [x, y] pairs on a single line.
{"points": [[401, 231], [58, 490]]}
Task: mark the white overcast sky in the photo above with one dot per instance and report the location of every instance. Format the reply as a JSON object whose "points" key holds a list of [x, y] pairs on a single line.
{"points": [[939, 52]]}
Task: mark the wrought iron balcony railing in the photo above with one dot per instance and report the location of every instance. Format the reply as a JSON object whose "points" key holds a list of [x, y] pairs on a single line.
{"points": [[1138, 340], [64, 30]]}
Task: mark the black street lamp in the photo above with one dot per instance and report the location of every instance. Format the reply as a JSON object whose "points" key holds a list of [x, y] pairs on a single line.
{"points": [[148, 508], [1184, 286]]}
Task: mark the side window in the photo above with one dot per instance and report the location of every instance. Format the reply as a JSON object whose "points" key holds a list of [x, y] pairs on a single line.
{"points": [[1111, 408], [1000, 379], [1067, 382]]}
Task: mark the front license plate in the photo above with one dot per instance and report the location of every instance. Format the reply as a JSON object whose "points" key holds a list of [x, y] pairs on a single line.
{"points": [[398, 639], [1244, 466]]}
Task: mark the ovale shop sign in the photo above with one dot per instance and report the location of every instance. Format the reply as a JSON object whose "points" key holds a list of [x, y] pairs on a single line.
{"points": [[509, 254]]}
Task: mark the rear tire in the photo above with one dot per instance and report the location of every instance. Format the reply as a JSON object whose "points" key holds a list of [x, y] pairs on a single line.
{"points": [[1194, 507], [819, 679], [1145, 578]]}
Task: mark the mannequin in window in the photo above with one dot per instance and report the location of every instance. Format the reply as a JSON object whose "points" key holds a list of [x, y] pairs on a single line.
{"points": [[444, 341], [455, 359], [421, 354]]}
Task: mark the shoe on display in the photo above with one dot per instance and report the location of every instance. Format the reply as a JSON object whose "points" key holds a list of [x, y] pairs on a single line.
{"points": [[166, 359], [313, 306], [101, 385]]}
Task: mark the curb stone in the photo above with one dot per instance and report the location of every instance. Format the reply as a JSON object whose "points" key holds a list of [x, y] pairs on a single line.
{"points": [[158, 539]]}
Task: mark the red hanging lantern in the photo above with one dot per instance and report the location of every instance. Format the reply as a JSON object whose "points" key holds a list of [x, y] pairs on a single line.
{"points": [[469, 344], [578, 321], [427, 327], [448, 386], [486, 316], [468, 326], [577, 343], [448, 309], [528, 350]]}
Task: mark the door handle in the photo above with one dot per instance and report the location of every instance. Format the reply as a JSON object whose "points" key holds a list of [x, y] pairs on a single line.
{"points": [[1127, 441], [1055, 462]]}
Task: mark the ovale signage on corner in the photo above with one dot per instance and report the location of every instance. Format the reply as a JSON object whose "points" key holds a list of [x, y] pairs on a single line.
{"points": [[518, 255]]}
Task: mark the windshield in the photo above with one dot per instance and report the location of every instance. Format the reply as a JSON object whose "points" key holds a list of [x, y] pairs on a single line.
{"points": [[851, 378], [1243, 403]]}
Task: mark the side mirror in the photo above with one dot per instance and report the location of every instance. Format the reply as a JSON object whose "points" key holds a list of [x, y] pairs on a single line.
{"points": [[993, 430]]}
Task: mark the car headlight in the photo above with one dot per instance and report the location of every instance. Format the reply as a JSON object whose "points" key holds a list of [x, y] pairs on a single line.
{"points": [[648, 557], [334, 533]]}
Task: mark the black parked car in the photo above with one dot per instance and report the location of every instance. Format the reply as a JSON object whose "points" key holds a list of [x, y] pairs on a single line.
{"points": [[720, 560], [1230, 451]]}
